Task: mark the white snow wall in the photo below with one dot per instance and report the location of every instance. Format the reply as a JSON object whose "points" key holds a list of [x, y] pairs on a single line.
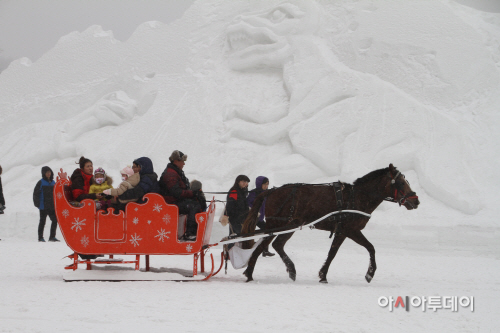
{"points": [[299, 91]]}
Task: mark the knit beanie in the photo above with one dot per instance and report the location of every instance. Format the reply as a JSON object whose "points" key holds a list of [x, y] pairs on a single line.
{"points": [[195, 185]]}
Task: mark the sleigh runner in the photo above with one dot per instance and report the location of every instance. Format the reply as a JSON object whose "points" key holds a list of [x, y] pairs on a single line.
{"points": [[152, 228]]}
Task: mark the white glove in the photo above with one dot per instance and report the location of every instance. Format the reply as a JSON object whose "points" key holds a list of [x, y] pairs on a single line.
{"points": [[107, 192]]}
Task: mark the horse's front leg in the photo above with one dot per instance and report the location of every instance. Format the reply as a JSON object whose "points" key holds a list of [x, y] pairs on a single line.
{"points": [[279, 246], [255, 255], [337, 242], [359, 238]]}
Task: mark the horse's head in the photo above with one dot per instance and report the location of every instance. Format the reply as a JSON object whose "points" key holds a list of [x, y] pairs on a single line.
{"points": [[399, 190]]}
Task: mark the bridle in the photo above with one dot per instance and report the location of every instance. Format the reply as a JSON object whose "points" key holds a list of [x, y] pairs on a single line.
{"points": [[402, 201]]}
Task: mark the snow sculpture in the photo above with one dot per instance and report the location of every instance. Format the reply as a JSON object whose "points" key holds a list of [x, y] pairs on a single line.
{"points": [[340, 119]]}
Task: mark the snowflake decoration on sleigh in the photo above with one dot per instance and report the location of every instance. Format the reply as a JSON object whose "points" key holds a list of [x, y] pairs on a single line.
{"points": [[166, 219], [189, 248], [65, 213], [78, 224], [157, 208], [162, 234], [135, 239], [135, 221], [85, 241]]}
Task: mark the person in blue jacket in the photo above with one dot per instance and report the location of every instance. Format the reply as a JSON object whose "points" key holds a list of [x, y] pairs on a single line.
{"points": [[43, 198]]}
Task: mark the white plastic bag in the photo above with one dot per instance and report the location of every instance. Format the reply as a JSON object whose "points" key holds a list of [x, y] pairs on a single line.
{"points": [[239, 257]]}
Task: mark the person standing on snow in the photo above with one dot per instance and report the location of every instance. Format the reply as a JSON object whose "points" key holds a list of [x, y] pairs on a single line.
{"points": [[237, 204], [43, 198], [175, 189], [261, 184], [2, 199]]}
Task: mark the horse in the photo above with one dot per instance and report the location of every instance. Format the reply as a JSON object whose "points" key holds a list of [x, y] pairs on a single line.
{"points": [[294, 205]]}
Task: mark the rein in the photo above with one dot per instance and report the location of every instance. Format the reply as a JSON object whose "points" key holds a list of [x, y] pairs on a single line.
{"points": [[269, 233]]}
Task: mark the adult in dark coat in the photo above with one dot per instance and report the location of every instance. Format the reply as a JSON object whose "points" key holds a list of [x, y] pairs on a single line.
{"points": [[147, 184], [176, 190], [261, 184], [43, 199], [237, 204], [81, 181], [2, 199]]}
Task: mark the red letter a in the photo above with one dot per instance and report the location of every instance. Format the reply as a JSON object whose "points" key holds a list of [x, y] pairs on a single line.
{"points": [[399, 301]]}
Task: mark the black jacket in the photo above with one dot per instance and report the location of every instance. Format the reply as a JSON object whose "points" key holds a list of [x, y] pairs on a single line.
{"points": [[2, 199], [237, 208], [147, 184]]}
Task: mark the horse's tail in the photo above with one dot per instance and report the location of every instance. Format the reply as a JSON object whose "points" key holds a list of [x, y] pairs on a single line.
{"points": [[252, 218]]}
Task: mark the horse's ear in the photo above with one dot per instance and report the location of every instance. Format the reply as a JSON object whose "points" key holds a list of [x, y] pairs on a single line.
{"points": [[391, 168]]}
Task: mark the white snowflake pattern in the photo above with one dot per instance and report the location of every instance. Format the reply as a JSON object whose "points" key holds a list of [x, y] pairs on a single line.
{"points": [[189, 248], [59, 195], [135, 220], [157, 208], [85, 241], [135, 239], [65, 213], [201, 219], [78, 224], [166, 219], [162, 234], [136, 209], [149, 221]]}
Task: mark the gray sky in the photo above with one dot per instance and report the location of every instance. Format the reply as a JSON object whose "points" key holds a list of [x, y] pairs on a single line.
{"points": [[29, 28]]}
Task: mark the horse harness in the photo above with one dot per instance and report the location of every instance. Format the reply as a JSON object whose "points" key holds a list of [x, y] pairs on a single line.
{"points": [[398, 187], [339, 197]]}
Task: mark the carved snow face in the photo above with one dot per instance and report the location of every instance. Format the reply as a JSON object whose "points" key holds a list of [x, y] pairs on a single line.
{"points": [[261, 39]]}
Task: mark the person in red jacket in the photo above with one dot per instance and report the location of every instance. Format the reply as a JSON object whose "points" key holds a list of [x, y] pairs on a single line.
{"points": [[175, 188], [81, 181]]}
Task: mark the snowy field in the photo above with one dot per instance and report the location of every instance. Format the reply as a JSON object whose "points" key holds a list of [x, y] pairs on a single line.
{"points": [[428, 261], [298, 91]]}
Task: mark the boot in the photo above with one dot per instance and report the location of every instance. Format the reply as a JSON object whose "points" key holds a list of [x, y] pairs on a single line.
{"points": [[266, 253]]}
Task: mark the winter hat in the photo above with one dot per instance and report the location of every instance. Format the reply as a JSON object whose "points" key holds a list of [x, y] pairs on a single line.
{"points": [[127, 171], [177, 155], [195, 185], [101, 171]]}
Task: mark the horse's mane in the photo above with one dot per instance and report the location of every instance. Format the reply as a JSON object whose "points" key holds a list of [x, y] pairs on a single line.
{"points": [[371, 176]]}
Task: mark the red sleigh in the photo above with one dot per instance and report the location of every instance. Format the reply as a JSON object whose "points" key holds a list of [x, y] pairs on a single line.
{"points": [[152, 228]]}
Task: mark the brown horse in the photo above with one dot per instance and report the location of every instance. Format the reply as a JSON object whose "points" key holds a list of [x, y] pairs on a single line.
{"points": [[294, 205]]}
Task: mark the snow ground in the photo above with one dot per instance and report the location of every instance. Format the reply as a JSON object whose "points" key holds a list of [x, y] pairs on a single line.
{"points": [[412, 261]]}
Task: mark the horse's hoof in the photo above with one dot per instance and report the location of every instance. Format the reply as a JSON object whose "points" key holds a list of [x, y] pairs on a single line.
{"points": [[368, 278], [249, 279], [292, 275], [323, 281]]}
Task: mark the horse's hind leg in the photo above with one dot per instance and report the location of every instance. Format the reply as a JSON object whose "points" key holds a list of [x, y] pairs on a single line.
{"points": [[359, 238], [255, 255], [337, 242], [279, 245]]}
